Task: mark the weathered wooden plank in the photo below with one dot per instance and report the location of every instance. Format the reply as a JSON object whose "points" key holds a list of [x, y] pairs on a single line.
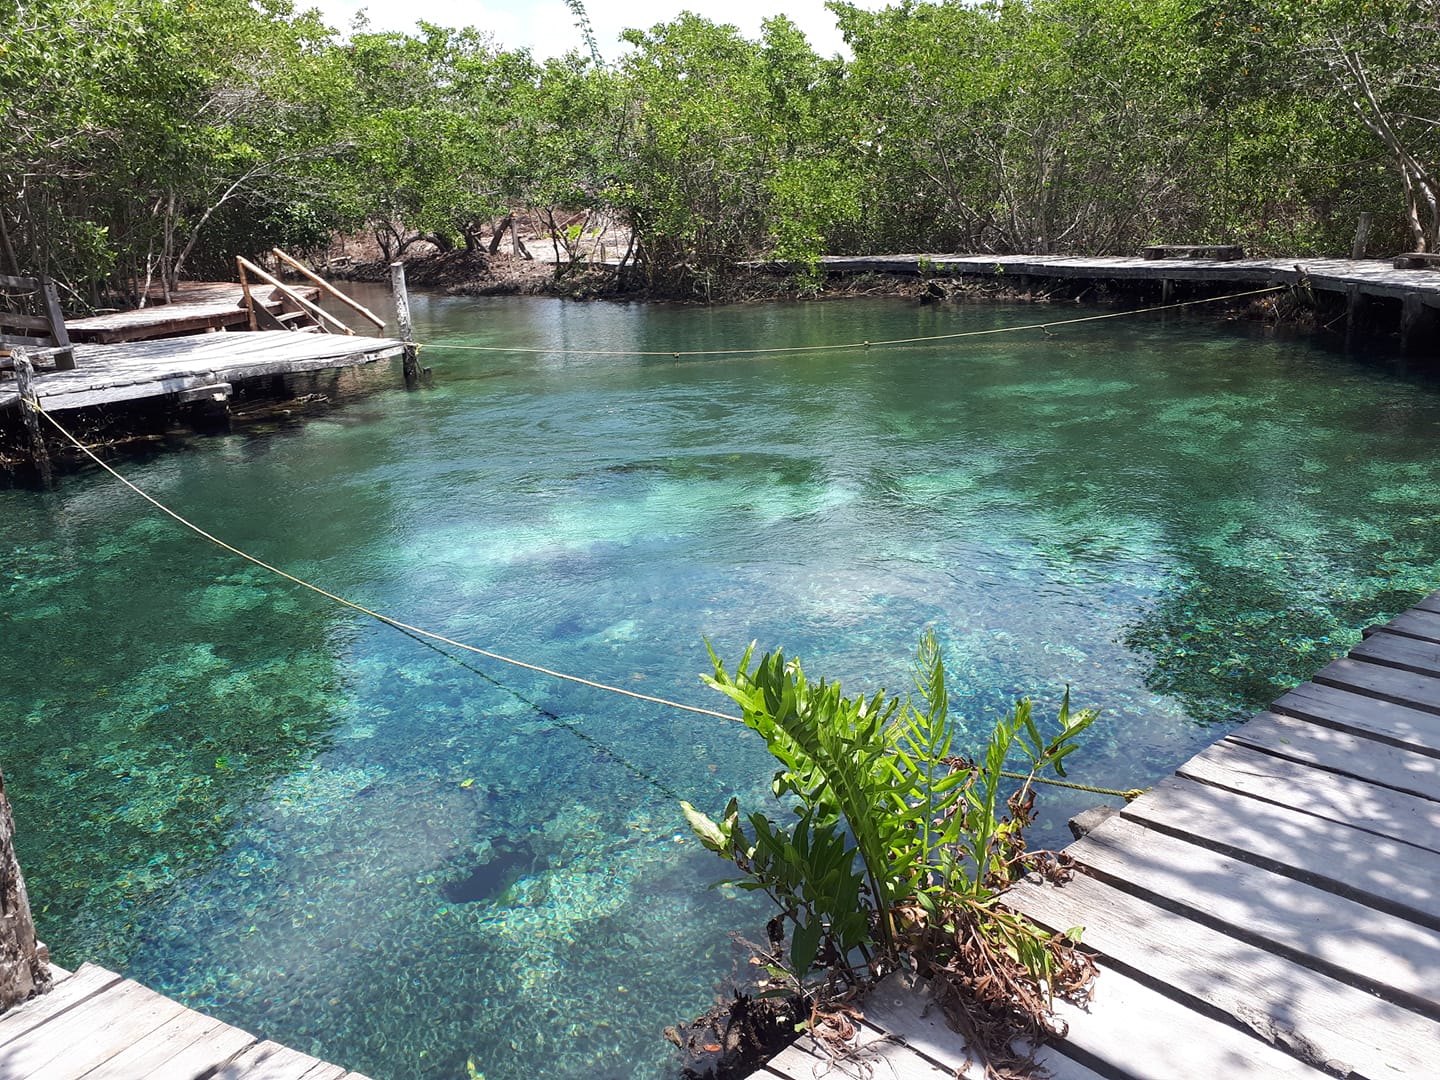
{"points": [[67, 993], [1396, 650], [197, 306], [1138, 1032], [1380, 872], [1344, 938], [157, 368], [188, 1045], [1415, 623], [95, 1025], [1221, 252], [219, 391], [1430, 603], [25, 339], [873, 1052], [1415, 260], [1335, 750], [1324, 1022], [1335, 798], [324, 1071], [1386, 683], [910, 1013], [86, 399], [270, 1061], [1336, 275], [89, 1033], [1414, 729], [110, 1035], [25, 322]]}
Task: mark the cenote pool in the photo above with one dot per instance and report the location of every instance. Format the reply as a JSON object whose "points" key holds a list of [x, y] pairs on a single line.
{"points": [[327, 832]]}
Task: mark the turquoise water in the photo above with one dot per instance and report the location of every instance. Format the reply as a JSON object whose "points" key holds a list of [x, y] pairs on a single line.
{"points": [[327, 832]]}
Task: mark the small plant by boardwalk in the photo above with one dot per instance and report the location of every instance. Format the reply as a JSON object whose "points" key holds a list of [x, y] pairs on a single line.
{"points": [[900, 851]]}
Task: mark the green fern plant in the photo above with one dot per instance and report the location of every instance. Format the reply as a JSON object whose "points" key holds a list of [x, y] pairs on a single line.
{"points": [[887, 819]]}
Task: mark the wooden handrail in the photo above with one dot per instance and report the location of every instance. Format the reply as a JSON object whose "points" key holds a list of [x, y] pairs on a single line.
{"points": [[53, 320], [245, 288], [336, 293], [291, 294]]}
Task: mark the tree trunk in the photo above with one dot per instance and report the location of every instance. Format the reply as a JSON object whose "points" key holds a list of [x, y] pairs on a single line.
{"points": [[22, 972], [506, 222], [7, 250]]}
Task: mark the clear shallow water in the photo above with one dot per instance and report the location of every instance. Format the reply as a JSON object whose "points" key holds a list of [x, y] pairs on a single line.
{"points": [[320, 829]]}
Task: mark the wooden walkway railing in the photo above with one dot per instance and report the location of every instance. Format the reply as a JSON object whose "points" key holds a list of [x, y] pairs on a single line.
{"points": [[44, 329], [297, 306]]}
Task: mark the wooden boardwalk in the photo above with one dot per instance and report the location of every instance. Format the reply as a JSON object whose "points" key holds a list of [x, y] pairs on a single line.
{"points": [[96, 1025], [1366, 277], [196, 307], [1272, 909], [202, 366]]}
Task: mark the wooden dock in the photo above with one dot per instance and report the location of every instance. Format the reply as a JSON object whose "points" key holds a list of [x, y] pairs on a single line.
{"points": [[96, 1025], [1272, 909], [1359, 289], [203, 366], [1368, 277], [196, 307]]}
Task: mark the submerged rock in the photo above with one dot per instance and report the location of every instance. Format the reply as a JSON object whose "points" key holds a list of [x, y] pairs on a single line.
{"points": [[489, 880]]}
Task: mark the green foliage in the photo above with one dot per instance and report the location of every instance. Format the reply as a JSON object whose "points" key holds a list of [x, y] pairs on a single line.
{"points": [[886, 818], [133, 122], [142, 138]]}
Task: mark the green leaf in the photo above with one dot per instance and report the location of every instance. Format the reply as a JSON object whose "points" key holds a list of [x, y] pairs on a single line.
{"points": [[710, 834], [804, 945]]}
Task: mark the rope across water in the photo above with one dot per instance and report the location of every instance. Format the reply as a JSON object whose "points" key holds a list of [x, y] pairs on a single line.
{"points": [[777, 350], [430, 635]]}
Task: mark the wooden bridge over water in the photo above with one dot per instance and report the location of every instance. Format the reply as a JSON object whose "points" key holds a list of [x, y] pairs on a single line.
{"points": [[184, 352], [1355, 283], [1271, 910]]}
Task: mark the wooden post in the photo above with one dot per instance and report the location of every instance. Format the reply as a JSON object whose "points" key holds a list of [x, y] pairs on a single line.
{"points": [[24, 383], [1354, 305], [23, 971], [1417, 323], [1362, 236], [245, 286], [1167, 290], [50, 299], [407, 331]]}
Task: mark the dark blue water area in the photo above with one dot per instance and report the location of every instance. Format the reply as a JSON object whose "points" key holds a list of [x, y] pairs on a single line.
{"points": [[402, 857]]}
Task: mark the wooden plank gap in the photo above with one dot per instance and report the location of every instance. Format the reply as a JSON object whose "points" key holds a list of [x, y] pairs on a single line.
{"points": [[1362, 675], [1382, 873], [1328, 795], [1400, 651], [1326, 1023], [1340, 707], [1416, 623], [1135, 1031], [1358, 755]]}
